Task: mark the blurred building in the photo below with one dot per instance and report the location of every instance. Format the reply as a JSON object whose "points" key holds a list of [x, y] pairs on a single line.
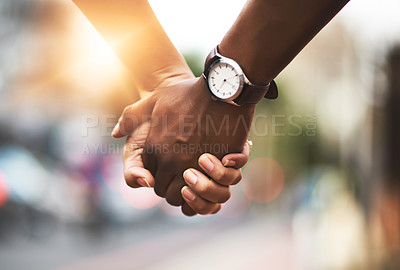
{"points": [[321, 190]]}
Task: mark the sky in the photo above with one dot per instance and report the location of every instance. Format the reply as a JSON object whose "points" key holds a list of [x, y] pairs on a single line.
{"points": [[192, 27]]}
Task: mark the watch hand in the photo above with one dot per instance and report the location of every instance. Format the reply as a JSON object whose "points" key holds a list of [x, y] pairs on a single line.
{"points": [[222, 84], [229, 82]]}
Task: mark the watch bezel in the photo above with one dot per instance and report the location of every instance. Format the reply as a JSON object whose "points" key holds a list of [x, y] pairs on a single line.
{"points": [[224, 60]]}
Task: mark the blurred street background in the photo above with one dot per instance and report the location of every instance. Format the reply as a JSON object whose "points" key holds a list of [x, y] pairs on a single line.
{"points": [[321, 190]]}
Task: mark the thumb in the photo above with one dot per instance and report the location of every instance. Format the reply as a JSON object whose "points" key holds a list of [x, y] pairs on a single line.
{"points": [[134, 115], [135, 174]]}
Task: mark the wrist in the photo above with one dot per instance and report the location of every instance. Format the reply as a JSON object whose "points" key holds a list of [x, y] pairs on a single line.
{"points": [[248, 61], [205, 97], [226, 81]]}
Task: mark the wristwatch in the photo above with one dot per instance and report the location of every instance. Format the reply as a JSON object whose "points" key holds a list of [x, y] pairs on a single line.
{"points": [[227, 82]]}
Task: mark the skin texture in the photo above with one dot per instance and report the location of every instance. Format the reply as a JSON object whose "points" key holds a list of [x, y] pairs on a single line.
{"points": [[132, 30], [207, 194], [267, 35], [133, 21], [176, 126]]}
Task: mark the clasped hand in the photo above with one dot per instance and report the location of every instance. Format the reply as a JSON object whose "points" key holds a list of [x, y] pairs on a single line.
{"points": [[179, 138]]}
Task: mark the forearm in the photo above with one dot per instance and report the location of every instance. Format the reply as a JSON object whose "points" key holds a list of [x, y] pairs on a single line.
{"points": [[268, 34], [136, 36]]}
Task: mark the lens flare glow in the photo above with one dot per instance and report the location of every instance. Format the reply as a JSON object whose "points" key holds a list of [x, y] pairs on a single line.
{"points": [[236, 205], [263, 180], [4, 192], [140, 198]]}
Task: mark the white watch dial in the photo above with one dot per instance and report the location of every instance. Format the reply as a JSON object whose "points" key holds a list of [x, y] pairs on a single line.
{"points": [[224, 80]]}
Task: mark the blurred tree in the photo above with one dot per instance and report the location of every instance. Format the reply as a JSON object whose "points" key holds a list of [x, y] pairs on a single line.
{"points": [[390, 209], [286, 134], [195, 62]]}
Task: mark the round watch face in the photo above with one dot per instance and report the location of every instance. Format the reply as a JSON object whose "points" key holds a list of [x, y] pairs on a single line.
{"points": [[224, 80]]}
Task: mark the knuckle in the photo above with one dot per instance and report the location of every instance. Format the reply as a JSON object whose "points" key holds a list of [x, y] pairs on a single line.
{"points": [[204, 188], [219, 175], [202, 209], [237, 178], [225, 197], [188, 212], [216, 210], [126, 110], [127, 176], [159, 189], [173, 200], [130, 180]]}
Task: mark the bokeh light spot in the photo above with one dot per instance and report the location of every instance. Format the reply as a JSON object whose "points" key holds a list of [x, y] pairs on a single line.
{"points": [[140, 198], [263, 180], [171, 210], [236, 205], [4, 192]]}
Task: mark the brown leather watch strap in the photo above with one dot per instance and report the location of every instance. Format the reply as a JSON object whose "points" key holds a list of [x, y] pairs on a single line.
{"points": [[272, 91], [211, 57], [251, 94], [255, 94]]}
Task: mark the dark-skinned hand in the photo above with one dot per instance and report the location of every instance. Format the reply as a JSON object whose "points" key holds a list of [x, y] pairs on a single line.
{"points": [[170, 130]]}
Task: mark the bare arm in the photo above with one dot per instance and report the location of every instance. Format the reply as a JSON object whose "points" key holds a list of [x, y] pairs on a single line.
{"points": [[268, 34], [137, 37], [266, 37]]}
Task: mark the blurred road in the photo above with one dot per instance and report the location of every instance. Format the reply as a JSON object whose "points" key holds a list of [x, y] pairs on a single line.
{"points": [[162, 243]]}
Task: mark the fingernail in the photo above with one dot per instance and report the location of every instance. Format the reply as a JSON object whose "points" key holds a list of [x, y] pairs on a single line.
{"points": [[207, 164], [143, 182], [229, 163], [115, 130], [188, 194], [190, 177], [250, 143]]}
